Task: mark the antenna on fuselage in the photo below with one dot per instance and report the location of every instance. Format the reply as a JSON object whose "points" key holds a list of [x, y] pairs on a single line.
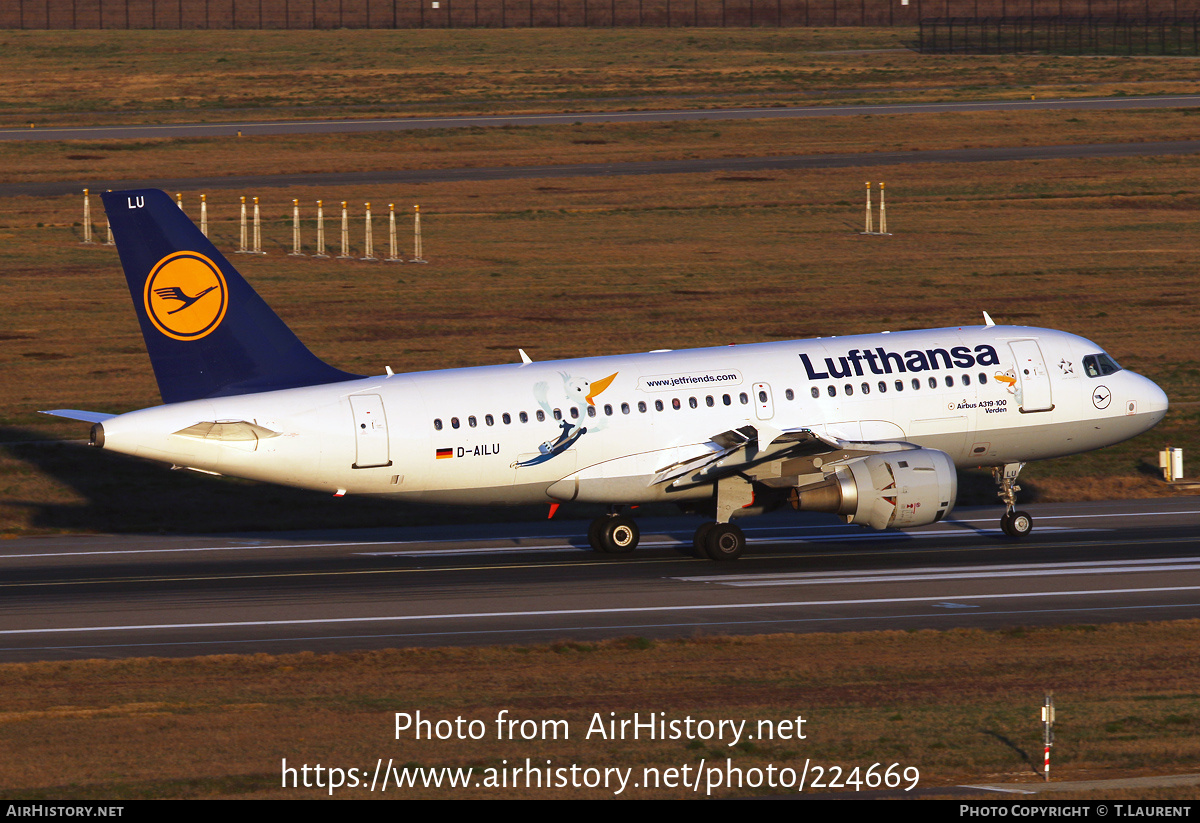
{"points": [[987, 319]]}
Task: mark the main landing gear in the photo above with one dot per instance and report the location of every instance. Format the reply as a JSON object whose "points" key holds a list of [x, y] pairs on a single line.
{"points": [[614, 534], [618, 534], [1014, 523], [719, 541]]}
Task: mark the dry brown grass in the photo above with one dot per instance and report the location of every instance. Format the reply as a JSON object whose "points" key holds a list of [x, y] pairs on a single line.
{"points": [[96, 77], [220, 726]]}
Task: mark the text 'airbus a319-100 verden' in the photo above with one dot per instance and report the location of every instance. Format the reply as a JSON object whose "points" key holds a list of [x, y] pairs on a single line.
{"points": [[869, 427]]}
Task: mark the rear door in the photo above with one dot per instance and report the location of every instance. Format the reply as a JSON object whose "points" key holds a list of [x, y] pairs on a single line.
{"points": [[370, 431]]}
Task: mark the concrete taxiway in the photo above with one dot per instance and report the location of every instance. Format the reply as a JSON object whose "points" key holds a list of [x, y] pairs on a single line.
{"points": [[384, 124]]}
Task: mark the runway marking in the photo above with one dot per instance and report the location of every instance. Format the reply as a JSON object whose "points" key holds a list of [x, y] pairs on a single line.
{"points": [[949, 573], [851, 533], [828, 537], [572, 631], [568, 612]]}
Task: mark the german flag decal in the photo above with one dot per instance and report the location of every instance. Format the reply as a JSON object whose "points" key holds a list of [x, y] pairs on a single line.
{"points": [[444, 453]]}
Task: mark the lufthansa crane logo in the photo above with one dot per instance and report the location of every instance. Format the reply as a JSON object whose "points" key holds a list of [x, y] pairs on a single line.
{"points": [[186, 296]]}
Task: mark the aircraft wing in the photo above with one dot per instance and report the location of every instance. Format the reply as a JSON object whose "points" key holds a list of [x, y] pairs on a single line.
{"points": [[77, 414], [761, 453]]}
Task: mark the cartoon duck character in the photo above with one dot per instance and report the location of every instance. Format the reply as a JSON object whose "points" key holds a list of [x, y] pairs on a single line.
{"points": [[575, 392]]}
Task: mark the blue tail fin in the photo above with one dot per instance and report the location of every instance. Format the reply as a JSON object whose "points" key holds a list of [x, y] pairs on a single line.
{"points": [[208, 333]]}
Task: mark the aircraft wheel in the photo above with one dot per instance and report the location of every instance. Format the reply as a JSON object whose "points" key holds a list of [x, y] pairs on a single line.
{"points": [[699, 541], [1016, 524], [724, 541], [596, 534], [620, 535]]}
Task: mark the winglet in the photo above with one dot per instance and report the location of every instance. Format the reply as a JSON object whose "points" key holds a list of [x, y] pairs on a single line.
{"points": [[987, 319], [207, 332]]}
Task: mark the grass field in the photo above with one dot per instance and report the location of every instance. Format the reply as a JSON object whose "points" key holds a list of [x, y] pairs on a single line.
{"points": [[1125, 696], [94, 77]]}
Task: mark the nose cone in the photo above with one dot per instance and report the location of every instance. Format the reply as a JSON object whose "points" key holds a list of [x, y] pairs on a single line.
{"points": [[1151, 401]]}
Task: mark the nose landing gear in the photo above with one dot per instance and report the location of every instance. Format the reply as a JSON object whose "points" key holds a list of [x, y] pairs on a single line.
{"points": [[1014, 523]]}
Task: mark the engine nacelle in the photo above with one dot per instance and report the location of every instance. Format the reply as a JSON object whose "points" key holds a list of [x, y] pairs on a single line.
{"points": [[893, 490]]}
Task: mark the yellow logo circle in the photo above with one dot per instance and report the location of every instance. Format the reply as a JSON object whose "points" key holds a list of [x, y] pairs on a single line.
{"points": [[186, 296]]}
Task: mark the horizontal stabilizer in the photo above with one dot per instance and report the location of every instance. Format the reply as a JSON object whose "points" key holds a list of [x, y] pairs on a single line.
{"points": [[76, 414]]}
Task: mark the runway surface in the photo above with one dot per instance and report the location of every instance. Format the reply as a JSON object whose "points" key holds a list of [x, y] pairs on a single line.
{"points": [[122, 596], [343, 126]]}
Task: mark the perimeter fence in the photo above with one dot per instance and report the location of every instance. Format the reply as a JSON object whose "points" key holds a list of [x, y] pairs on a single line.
{"points": [[1160, 35], [413, 14]]}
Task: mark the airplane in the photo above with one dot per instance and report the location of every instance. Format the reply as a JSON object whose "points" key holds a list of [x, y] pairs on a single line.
{"points": [[870, 427]]}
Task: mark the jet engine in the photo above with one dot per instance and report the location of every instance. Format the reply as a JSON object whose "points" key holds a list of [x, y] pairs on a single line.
{"points": [[891, 490]]}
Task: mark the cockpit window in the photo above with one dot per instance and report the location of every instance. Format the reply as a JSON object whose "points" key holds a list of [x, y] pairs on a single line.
{"points": [[1098, 365]]}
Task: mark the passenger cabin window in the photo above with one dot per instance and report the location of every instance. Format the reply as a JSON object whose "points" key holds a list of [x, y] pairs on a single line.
{"points": [[454, 422], [676, 405], [708, 401], [507, 418], [745, 398], [693, 403], [916, 383], [437, 424], [849, 389], [491, 421], [789, 394], [816, 392], [642, 405], [624, 408], [558, 414], [882, 386], [472, 422], [541, 415], [832, 391]]}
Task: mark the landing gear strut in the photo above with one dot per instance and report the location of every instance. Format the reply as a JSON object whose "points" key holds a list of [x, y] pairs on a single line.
{"points": [[1014, 523], [614, 534]]}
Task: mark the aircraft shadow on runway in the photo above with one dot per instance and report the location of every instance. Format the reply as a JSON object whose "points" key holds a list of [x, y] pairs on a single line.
{"points": [[124, 494]]}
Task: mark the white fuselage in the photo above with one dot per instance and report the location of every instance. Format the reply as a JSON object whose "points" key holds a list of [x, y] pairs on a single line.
{"points": [[987, 396]]}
